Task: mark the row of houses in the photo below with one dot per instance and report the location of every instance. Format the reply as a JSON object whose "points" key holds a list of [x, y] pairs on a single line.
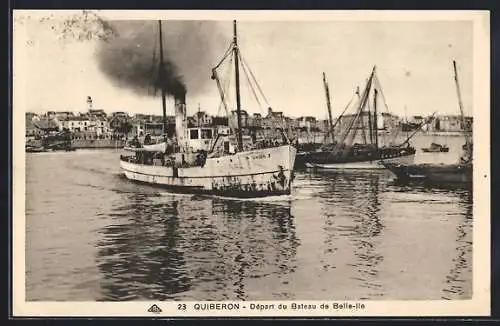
{"points": [[92, 122], [97, 123]]}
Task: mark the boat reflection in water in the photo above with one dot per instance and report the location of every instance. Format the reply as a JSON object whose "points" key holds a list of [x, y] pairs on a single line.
{"points": [[376, 238], [345, 235], [457, 268], [353, 232], [457, 284], [167, 246]]}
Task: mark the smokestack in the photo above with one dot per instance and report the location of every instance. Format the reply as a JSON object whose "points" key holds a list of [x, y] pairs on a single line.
{"points": [[180, 120]]}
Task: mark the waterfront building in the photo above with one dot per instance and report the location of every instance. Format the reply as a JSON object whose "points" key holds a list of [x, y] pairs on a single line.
{"points": [[233, 118], [450, 123], [255, 121], [308, 123], [202, 119]]}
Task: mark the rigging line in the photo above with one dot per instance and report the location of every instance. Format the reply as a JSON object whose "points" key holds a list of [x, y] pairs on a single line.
{"points": [[251, 87], [226, 54], [225, 95], [396, 130], [222, 99], [356, 121], [364, 99], [396, 134], [345, 109], [253, 77], [377, 81], [420, 126], [341, 134], [246, 68]]}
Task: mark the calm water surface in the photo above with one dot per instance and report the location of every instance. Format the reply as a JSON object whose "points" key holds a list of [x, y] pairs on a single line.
{"points": [[93, 235]]}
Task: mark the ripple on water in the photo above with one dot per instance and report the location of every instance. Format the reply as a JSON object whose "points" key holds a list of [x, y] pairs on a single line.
{"points": [[92, 235]]}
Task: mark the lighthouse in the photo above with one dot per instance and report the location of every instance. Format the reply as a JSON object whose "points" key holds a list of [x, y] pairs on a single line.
{"points": [[89, 102]]}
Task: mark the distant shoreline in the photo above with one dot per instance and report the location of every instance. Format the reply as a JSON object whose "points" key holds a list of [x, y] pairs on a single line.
{"points": [[444, 133], [87, 143], [110, 144]]}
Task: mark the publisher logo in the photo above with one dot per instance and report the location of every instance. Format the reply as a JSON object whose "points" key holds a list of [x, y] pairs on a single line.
{"points": [[155, 309]]}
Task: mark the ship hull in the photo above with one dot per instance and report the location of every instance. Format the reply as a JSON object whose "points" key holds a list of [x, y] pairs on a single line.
{"points": [[368, 161], [432, 173], [256, 173], [425, 150], [363, 165]]}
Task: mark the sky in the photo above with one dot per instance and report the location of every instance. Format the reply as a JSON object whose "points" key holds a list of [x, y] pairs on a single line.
{"points": [[413, 59]]}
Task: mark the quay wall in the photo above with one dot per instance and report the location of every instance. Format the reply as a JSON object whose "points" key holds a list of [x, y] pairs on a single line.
{"points": [[97, 143], [89, 143]]}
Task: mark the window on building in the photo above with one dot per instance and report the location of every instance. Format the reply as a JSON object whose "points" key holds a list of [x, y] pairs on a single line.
{"points": [[206, 134], [193, 134]]}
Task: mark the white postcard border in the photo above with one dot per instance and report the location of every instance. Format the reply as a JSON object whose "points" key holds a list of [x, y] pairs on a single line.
{"points": [[479, 305]]}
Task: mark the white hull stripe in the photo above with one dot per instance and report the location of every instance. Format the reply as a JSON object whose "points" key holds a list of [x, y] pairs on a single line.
{"points": [[204, 177], [361, 165]]}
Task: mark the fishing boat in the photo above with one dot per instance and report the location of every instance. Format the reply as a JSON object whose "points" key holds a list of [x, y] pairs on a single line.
{"points": [[35, 149], [432, 173], [440, 174], [232, 167], [344, 154], [436, 148], [52, 143]]}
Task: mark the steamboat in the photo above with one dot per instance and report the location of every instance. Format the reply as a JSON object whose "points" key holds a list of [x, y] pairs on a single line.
{"points": [[233, 165]]}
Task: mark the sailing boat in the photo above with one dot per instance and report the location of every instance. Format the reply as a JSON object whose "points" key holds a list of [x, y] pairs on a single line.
{"points": [[346, 155], [436, 148], [231, 167], [440, 174]]}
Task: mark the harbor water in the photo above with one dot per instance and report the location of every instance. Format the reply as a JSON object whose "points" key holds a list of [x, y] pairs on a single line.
{"points": [[93, 235]]}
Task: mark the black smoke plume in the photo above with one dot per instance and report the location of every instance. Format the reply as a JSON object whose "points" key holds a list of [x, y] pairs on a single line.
{"points": [[131, 57]]}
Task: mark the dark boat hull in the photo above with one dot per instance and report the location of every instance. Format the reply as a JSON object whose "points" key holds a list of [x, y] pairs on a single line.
{"points": [[372, 160], [429, 150], [432, 173], [35, 150]]}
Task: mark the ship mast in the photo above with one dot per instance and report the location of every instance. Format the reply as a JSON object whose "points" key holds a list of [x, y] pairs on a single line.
{"points": [[375, 117], [460, 104], [237, 77], [161, 75], [328, 106]]}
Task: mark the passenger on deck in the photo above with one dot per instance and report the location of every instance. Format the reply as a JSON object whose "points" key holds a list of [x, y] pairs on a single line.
{"points": [[201, 158], [147, 140], [135, 142]]}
